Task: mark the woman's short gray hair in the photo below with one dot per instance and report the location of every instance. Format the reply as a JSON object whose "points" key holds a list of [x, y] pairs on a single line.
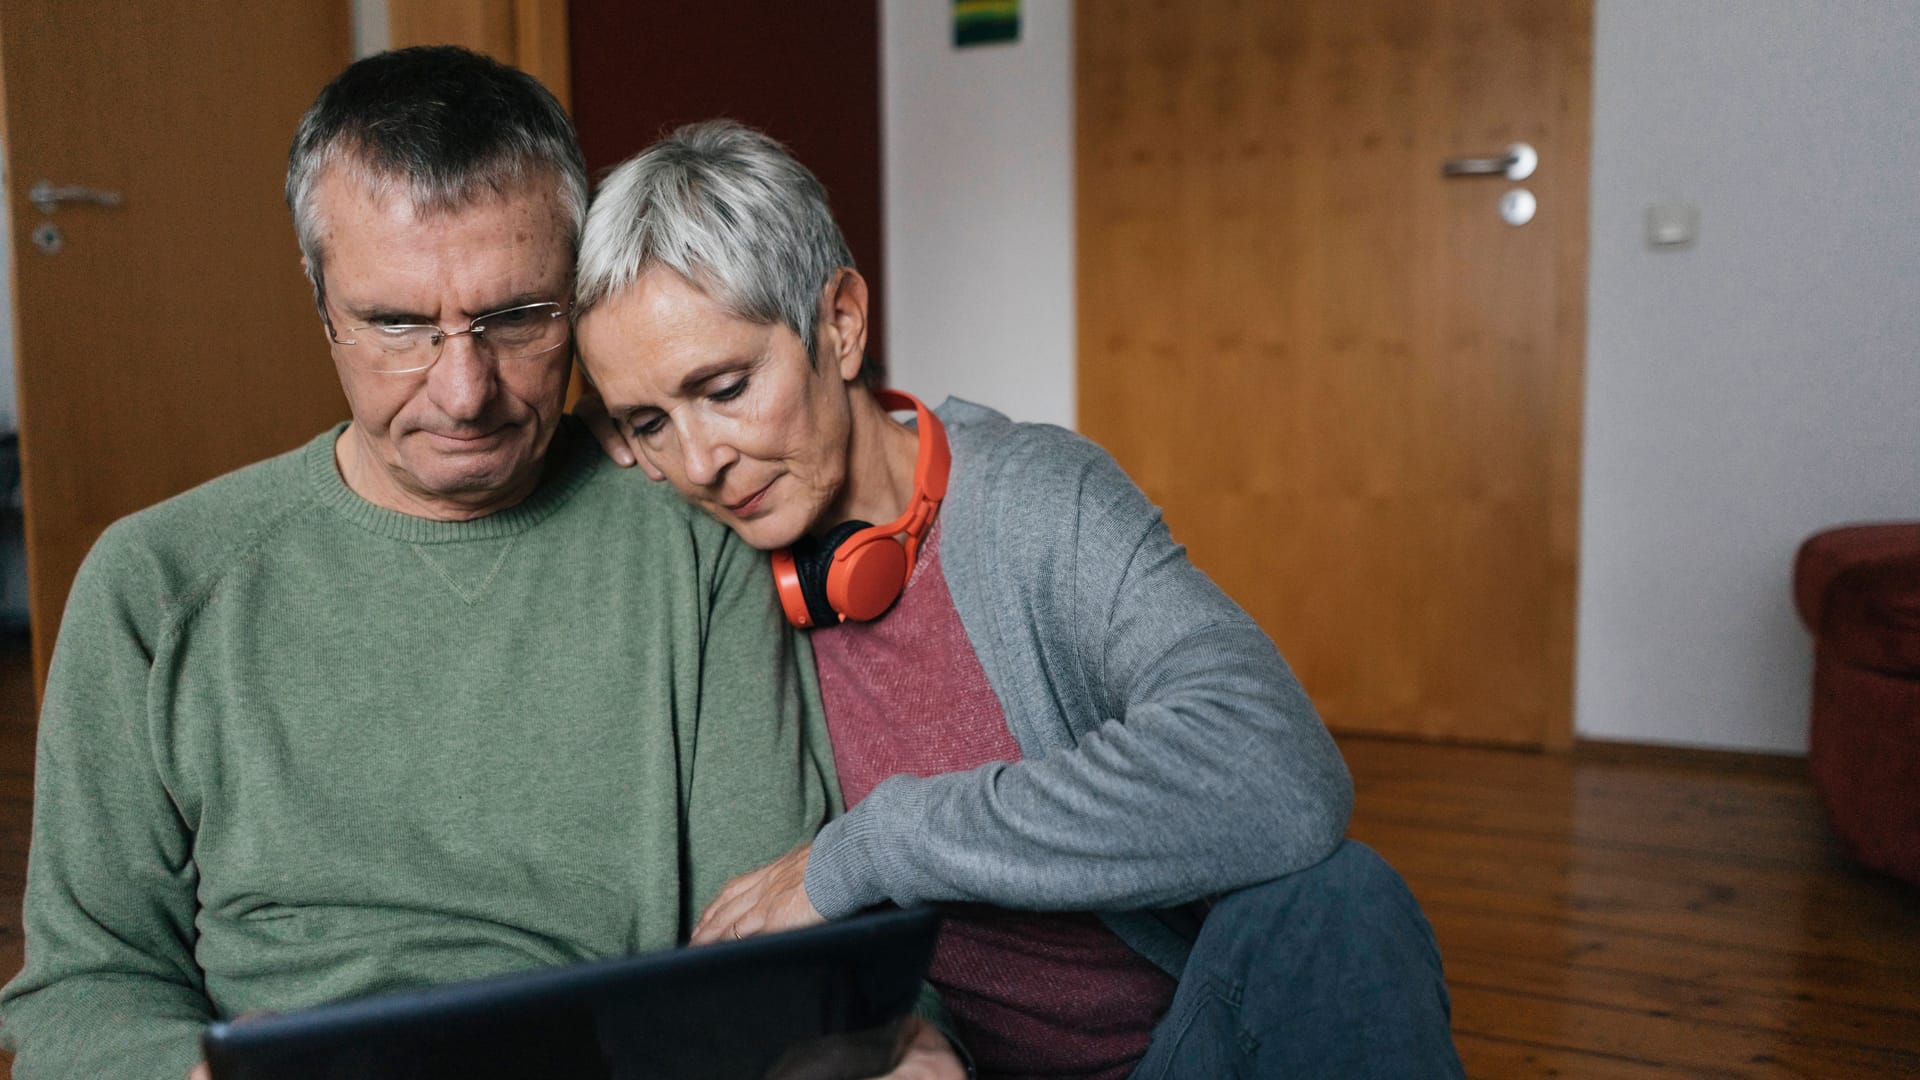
{"points": [[728, 209], [443, 127]]}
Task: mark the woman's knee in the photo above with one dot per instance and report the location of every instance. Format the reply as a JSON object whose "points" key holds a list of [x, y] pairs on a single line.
{"points": [[1353, 899], [1353, 874]]}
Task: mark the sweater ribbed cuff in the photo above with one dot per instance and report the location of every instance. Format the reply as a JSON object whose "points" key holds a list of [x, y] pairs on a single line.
{"points": [[834, 871], [862, 858]]}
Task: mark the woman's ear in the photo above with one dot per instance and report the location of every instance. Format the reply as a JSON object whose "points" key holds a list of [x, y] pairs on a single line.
{"points": [[843, 323]]}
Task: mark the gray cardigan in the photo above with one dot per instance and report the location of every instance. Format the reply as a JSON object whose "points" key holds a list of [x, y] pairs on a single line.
{"points": [[1168, 754]]}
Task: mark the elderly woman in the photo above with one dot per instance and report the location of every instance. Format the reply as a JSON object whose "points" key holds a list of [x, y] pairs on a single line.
{"points": [[1039, 708]]}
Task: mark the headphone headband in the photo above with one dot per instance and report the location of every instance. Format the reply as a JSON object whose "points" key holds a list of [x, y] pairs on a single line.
{"points": [[930, 468], [857, 571]]}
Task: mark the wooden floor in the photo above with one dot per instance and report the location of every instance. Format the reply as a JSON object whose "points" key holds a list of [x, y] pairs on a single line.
{"points": [[1618, 915], [1627, 914]]}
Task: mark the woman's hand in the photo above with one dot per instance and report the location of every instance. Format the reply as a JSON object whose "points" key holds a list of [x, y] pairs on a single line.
{"points": [[763, 901]]}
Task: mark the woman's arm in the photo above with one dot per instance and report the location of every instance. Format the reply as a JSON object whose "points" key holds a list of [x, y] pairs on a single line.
{"points": [[1208, 768]]}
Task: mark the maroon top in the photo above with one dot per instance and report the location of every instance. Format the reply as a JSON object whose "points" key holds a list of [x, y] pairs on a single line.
{"points": [[1051, 995]]}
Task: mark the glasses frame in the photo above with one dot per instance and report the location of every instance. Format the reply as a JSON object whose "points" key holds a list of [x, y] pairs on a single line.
{"points": [[438, 342]]}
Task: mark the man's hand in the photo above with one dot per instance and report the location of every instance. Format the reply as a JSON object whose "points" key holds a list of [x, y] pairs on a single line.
{"points": [[763, 901], [200, 1072], [929, 1056]]}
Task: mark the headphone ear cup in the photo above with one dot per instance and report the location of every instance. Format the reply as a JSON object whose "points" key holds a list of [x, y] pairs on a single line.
{"points": [[867, 576], [812, 561]]}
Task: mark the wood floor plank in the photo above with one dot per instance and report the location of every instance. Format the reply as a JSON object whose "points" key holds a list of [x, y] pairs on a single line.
{"points": [[1490, 1058], [1685, 1042], [1668, 997], [1718, 828], [1557, 942], [1659, 894]]}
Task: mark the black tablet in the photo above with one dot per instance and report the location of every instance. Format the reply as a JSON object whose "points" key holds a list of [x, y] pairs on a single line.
{"points": [[823, 1002]]}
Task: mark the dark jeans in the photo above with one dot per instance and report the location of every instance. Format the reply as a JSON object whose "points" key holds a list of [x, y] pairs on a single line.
{"points": [[1331, 971]]}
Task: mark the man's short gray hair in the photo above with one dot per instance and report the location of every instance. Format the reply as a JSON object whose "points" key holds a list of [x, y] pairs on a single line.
{"points": [[728, 209], [443, 127]]}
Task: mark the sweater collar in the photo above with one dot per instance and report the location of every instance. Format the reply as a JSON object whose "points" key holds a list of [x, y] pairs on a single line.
{"points": [[569, 466]]}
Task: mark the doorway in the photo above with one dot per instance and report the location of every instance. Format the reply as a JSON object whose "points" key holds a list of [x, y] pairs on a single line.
{"points": [[1352, 383], [164, 331]]}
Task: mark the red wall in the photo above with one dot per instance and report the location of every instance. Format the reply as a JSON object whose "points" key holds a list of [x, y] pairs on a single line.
{"points": [[807, 73]]}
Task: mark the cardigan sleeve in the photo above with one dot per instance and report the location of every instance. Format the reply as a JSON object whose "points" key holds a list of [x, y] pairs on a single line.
{"points": [[1198, 766]]}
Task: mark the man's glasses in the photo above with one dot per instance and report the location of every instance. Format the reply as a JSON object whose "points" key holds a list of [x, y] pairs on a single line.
{"points": [[518, 333]]}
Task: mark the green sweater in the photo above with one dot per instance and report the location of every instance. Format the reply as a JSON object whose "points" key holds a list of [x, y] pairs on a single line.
{"points": [[298, 748]]}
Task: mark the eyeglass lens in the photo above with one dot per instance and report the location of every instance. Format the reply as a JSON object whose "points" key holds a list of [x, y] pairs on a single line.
{"points": [[513, 334]]}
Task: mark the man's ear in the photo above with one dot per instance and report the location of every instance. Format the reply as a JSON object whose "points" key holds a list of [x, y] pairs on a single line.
{"points": [[843, 323], [319, 300]]}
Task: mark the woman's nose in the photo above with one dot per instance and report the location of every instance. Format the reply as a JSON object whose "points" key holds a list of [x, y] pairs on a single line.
{"points": [[705, 453]]}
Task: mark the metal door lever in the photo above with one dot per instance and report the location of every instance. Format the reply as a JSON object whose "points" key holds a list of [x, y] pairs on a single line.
{"points": [[48, 195], [1517, 163]]}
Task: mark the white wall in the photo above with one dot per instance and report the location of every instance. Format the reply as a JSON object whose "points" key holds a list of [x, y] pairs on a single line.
{"points": [[371, 34], [978, 176], [1742, 393], [1761, 385]]}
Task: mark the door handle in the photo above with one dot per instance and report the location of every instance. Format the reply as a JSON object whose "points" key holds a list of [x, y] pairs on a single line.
{"points": [[1517, 163], [48, 195]]}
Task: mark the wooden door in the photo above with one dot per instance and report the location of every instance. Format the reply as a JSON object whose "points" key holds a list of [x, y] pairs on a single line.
{"points": [[1352, 386], [173, 337], [529, 34]]}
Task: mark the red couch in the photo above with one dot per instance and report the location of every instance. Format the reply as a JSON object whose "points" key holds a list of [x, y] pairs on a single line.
{"points": [[1858, 590]]}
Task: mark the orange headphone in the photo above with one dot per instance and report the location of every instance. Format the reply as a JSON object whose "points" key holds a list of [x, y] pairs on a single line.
{"points": [[856, 571]]}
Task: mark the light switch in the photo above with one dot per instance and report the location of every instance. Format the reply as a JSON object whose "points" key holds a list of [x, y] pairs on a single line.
{"points": [[1672, 224]]}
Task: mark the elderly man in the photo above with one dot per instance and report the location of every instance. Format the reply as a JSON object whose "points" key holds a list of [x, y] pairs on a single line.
{"points": [[440, 694]]}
